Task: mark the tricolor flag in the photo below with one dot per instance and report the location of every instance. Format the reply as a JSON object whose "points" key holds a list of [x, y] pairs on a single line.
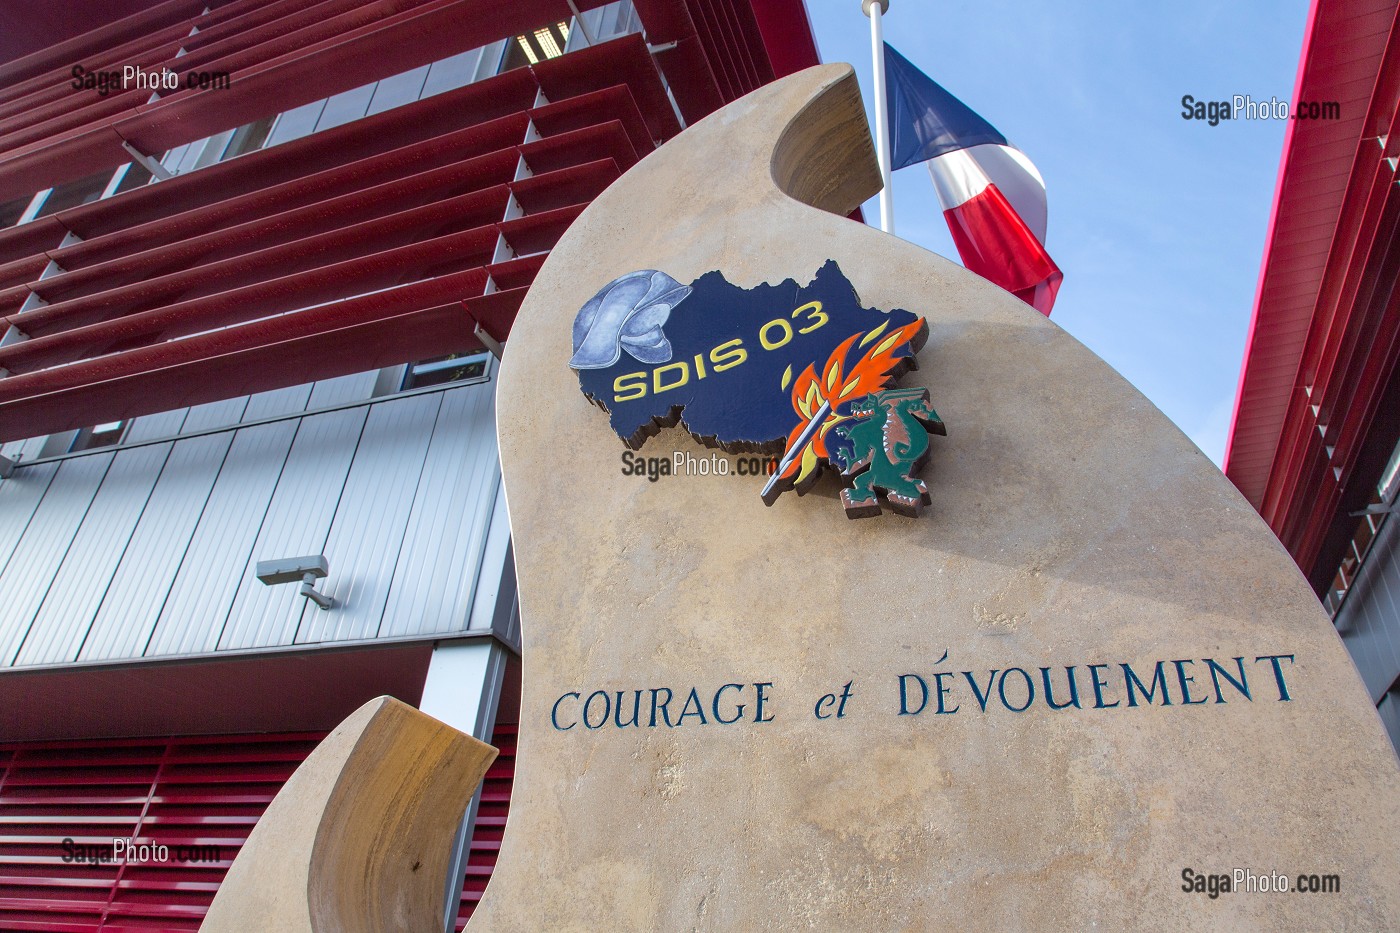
{"points": [[992, 196]]}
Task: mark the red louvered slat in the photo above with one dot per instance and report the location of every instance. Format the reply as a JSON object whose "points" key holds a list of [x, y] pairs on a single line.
{"points": [[490, 820], [488, 147], [205, 792]]}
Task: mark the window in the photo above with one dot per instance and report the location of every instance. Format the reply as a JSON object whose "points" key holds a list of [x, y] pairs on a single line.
{"points": [[455, 367], [536, 46], [451, 73], [74, 193], [397, 90], [12, 211], [345, 107], [248, 137], [1383, 502], [135, 176], [102, 435], [296, 123]]}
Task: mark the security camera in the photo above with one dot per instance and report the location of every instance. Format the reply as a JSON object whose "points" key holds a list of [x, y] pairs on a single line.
{"points": [[307, 569]]}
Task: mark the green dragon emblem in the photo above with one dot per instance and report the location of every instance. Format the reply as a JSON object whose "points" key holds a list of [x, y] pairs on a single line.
{"points": [[888, 445]]}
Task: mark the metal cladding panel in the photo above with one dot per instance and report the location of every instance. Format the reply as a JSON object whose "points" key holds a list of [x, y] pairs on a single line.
{"points": [[215, 414], [297, 522], [277, 402], [341, 390], [19, 497], [1389, 708], [150, 427], [198, 604], [441, 552], [142, 581], [364, 541], [1370, 617], [41, 549], [63, 620]]}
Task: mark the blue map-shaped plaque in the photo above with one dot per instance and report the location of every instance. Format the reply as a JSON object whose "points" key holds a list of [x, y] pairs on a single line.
{"points": [[730, 353]]}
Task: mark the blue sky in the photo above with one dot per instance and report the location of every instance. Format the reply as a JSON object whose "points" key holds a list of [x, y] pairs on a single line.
{"points": [[1158, 222]]}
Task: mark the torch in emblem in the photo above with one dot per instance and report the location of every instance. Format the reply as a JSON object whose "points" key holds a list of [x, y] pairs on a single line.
{"points": [[819, 398]]}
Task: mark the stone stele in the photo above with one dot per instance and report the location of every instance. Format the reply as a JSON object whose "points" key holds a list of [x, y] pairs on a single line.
{"points": [[359, 838], [1072, 525]]}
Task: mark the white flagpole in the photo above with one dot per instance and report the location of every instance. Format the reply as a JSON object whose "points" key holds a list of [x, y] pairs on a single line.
{"points": [[875, 9]]}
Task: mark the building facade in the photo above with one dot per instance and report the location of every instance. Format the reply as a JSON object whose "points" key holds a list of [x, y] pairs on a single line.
{"points": [[258, 260], [1317, 420]]}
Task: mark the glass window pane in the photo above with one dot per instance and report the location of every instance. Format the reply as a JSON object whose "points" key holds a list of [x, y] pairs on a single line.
{"points": [[187, 161], [248, 137], [171, 160], [103, 435], [136, 176], [397, 90], [214, 148], [11, 211], [296, 123], [451, 73], [517, 55], [72, 193], [344, 107], [451, 368]]}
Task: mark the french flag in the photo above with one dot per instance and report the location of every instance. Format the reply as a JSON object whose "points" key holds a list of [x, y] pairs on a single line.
{"points": [[992, 195]]}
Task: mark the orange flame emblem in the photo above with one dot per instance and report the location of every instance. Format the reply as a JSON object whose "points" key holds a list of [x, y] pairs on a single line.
{"points": [[820, 395]]}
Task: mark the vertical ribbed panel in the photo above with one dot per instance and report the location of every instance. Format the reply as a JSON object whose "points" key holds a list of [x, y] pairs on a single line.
{"points": [[149, 427], [1389, 709], [356, 387], [82, 579], [363, 546], [398, 494], [215, 415], [277, 402], [1370, 617], [441, 551], [124, 622], [41, 549], [296, 524], [204, 588], [19, 497]]}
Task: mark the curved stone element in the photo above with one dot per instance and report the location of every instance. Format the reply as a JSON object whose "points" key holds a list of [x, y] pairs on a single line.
{"points": [[358, 839], [1071, 526]]}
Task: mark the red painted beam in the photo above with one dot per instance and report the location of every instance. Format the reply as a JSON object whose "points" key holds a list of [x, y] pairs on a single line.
{"points": [[308, 255], [384, 329], [565, 187], [321, 217], [465, 250], [602, 66], [593, 142], [539, 232], [496, 312], [515, 273], [496, 165], [87, 43], [591, 109], [428, 32], [787, 35]]}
